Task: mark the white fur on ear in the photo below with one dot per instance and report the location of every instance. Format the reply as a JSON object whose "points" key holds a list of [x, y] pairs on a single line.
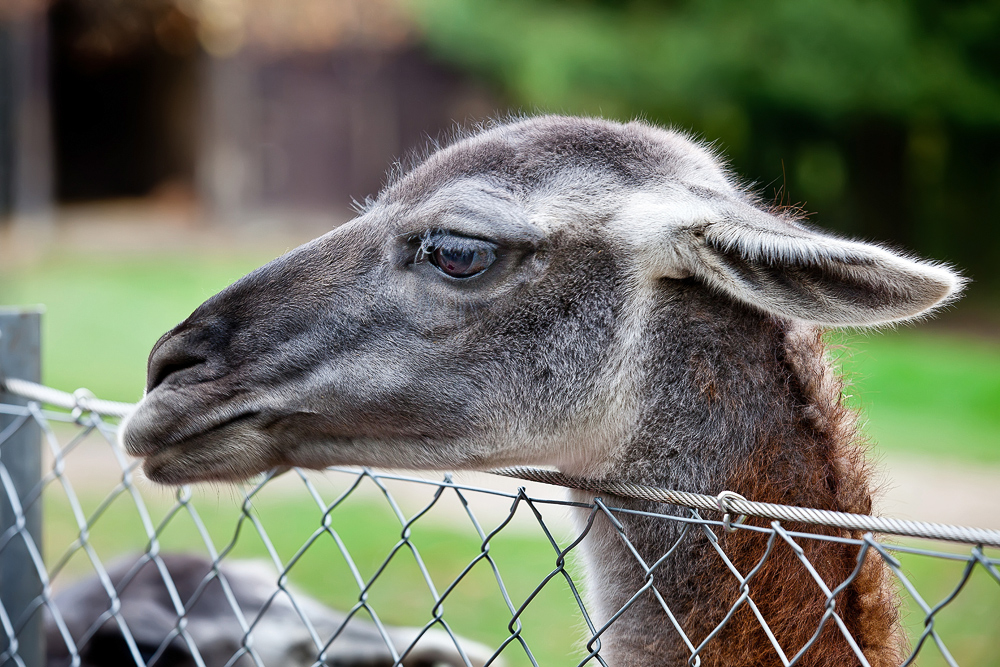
{"points": [[661, 228], [780, 266]]}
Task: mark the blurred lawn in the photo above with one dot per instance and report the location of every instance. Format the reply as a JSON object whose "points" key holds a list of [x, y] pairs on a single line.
{"points": [[926, 392], [922, 391], [369, 531], [103, 314]]}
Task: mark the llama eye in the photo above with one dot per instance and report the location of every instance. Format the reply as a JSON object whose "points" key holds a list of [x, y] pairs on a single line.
{"points": [[462, 258]]}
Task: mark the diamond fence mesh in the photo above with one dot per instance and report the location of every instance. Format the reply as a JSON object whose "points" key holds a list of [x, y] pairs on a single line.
{"points": [[359, 567]]}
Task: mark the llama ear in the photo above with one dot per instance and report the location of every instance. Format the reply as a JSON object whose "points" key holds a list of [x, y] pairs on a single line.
{"points": [[791, 271]]}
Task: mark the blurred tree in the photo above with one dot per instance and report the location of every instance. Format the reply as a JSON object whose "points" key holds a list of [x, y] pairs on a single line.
{"points": [[883, 115]]}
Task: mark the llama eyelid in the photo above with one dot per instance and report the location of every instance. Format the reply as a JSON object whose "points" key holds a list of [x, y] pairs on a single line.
{"points": [[433, 239]]}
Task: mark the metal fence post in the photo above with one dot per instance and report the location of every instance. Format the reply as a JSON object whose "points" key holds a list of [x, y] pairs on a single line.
{"points": [[21, 455]]}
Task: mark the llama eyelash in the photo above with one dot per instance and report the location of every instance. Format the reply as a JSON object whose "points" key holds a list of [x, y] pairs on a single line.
{"points": [[429, 241]]}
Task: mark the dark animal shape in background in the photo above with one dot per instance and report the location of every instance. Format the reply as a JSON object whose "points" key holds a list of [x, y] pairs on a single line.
{"points": [[280, 638]]}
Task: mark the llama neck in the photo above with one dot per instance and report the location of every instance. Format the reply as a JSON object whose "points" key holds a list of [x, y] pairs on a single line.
{"points": [[754, 409]]}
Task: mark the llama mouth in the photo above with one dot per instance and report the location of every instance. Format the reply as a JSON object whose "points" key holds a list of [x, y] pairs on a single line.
{"points": [[175, 466], [151, 427], [226, 423], [160, 437], [198, 457]]}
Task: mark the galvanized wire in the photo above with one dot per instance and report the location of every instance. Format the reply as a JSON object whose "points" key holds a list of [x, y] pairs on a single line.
{"points": [[81, 399], [727, 502], [732, 504], [72, 434]]}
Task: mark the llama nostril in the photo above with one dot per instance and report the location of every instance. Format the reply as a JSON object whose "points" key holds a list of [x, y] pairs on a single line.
{"points": [[164, 366], [168, 360], [170, 366]]}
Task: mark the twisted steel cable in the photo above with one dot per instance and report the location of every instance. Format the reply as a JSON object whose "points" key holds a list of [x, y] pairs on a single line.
{"points": [[733, 504]]}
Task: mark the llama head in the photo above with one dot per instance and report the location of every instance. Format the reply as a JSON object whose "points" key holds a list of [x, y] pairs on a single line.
{"points": [[489, 308]]}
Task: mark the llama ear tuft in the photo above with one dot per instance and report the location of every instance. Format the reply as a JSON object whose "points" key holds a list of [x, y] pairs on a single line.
{"points": [[791, 271]]}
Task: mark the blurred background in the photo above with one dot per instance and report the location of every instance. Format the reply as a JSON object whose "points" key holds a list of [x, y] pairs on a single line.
{"points": [[152, 151]]}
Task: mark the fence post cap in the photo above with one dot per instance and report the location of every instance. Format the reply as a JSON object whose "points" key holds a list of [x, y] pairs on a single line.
{"points": [[22, 310]]}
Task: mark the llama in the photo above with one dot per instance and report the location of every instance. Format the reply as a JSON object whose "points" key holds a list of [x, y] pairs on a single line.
{"points": [[599, 297], [278, 637]]}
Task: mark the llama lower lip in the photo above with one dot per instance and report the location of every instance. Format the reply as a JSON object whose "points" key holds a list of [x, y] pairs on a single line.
{"points": [[195, 459], [174, 447], [169, 466]]}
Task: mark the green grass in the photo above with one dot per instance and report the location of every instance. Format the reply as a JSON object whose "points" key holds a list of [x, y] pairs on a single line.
{"points": [[370, 532], [968, 625], [927, 393]]}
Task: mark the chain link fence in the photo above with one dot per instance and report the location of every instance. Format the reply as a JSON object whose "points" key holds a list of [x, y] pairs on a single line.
{"points": [[359, 567]]}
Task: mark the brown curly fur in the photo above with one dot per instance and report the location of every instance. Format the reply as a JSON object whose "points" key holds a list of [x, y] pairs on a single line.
{"points": [[825, 469]]}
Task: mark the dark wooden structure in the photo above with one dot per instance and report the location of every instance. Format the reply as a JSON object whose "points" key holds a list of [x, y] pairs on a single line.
{"points": [[106, 100], [25, 146]]}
